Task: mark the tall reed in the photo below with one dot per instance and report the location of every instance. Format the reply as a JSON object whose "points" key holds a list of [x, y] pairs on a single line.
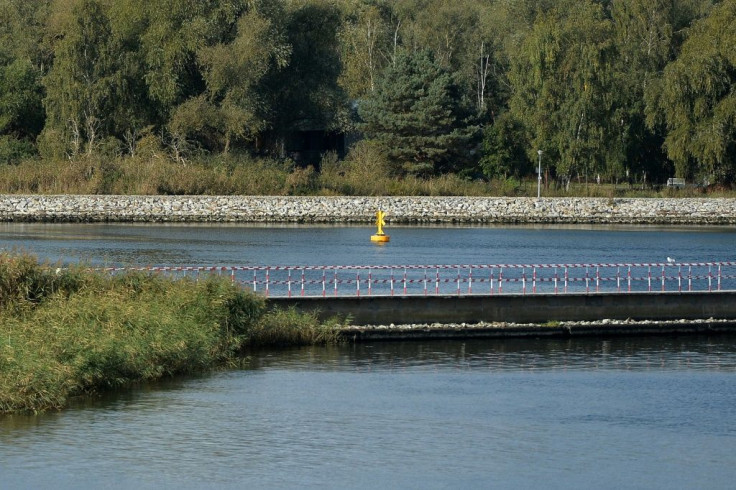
{"points": [[365, 171], [71, 332]]}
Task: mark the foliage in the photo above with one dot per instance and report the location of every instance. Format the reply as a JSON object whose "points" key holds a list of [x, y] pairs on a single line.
{"points": [[644, 33], [21, 111], [365, 43], [624, 89], [504, 149], [13, 150], [696, 101], [291, 327], [563, 87], [231, 109], [71, 332], [306, 93], [415, 115], [365, 171]]}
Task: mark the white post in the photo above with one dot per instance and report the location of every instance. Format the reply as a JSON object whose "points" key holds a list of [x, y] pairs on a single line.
{"points": [[539, 175]]}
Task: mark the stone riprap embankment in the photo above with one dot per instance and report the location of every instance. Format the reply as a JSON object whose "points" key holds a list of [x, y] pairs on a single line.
{"points": [[272, 209], [520, 330]]}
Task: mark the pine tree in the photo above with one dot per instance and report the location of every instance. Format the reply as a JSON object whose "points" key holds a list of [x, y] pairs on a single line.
{"points": [[415, 116]]}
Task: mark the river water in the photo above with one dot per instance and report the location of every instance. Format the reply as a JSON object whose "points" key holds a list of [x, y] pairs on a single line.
{"points": [[605, 413]]}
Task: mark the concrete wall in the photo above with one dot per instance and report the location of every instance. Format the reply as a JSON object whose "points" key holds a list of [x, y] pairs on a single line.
{"points": [[520, 308], [278, 209]]}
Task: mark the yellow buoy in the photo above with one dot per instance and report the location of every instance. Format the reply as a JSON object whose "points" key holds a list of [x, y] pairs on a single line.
{"points": [[380, 236]]}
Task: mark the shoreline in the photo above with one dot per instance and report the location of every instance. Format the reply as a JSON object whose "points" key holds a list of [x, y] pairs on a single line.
{"points": [[362, 209]]}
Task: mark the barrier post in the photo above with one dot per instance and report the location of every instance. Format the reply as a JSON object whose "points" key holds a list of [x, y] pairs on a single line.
{"points": [[404, 281], [324, 282], [690, 278], [597, 279], [618, 279], [268, 278], [357, 283], [335, 280], [566, 280], [587, 280], [437, 282], [534, 280], [370, 281], [710, 278], [719, 277], [649, 279], [679, 279], [392, 281], [288, 281], [470, 280], [458, 281], [628, 274], [556, 291], [500, 280], [302, 281], [491, 281], [255, 282], [662, 278], [523, 280], [425, 281]]}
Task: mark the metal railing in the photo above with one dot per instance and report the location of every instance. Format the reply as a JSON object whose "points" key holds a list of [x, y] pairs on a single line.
{"points": [[464, 279]]}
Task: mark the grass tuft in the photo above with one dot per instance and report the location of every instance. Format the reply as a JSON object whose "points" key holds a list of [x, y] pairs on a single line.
{"points": [[289, 327]]}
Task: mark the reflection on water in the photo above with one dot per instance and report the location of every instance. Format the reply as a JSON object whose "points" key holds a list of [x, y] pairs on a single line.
{"points": [[618, 413], [632, 354]]}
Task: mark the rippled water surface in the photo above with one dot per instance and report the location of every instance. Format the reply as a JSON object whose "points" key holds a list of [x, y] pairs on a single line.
{"points": [[596, 413], [180, 244], [623, 413]]}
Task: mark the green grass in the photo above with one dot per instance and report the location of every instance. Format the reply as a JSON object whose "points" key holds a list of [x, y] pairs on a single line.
{"points": [[76, 332]]}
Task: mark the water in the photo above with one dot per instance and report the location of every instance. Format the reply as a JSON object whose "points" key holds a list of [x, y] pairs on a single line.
{"points": [[621, 413], [603, 413], [204, 245]]}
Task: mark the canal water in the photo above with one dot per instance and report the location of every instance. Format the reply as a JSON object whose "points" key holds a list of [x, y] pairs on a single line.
{"points": [[267, 245], [654, 413], [604, 413]]}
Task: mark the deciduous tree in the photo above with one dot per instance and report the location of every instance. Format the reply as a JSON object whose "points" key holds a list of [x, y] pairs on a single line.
{"points": [[365, 41], [644, 41], [306, 94], [86, 87], [561, 80], [696, 99], [231, 107], [21, 69]]}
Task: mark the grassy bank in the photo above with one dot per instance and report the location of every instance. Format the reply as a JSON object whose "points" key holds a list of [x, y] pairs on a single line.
{"points": [[363, 173], [72, 332]]}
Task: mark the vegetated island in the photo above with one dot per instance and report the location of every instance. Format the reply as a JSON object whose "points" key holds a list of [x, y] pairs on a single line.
{"points": [[70, 332]]}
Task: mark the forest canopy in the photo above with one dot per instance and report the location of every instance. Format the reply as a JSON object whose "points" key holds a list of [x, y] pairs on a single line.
{"points": [[611, 89]]}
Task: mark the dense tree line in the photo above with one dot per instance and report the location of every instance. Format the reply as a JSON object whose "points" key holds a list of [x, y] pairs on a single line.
{"points": [[616, 89]]}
